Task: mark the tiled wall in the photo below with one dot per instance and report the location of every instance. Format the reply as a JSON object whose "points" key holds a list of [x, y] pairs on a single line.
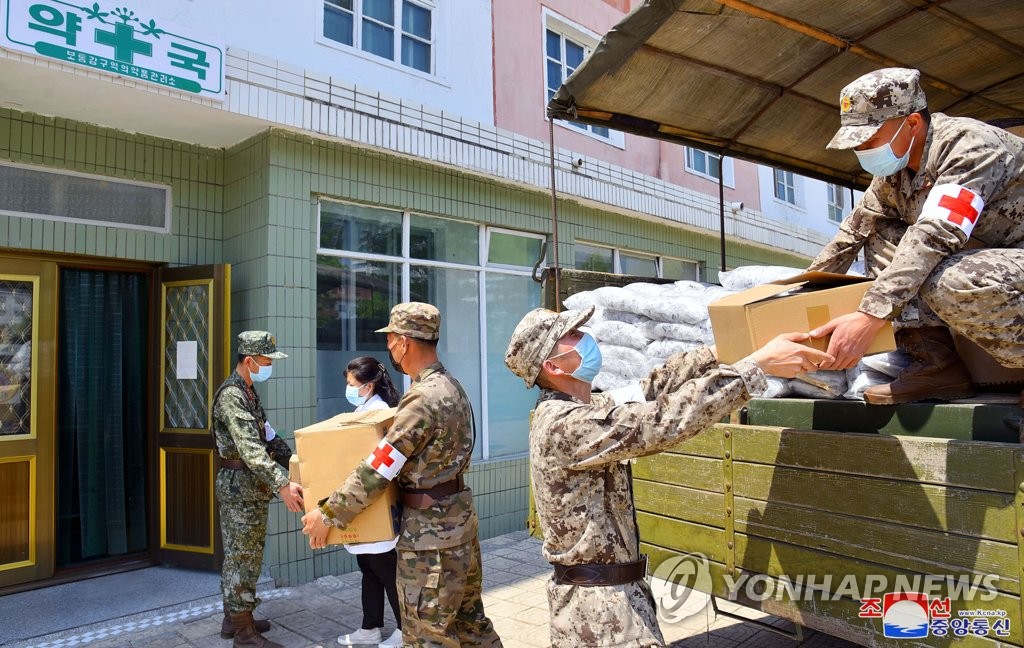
{"points": [[195, 175]]}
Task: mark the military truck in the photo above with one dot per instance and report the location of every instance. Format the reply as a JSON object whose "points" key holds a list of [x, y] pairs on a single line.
{"points": [[884, 525]]}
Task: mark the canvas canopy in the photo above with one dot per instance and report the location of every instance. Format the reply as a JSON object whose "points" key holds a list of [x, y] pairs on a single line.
{"points": [[760, 79]]}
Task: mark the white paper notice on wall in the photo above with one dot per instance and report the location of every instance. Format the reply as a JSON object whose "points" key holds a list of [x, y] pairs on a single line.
{"points": [[187, 361]]}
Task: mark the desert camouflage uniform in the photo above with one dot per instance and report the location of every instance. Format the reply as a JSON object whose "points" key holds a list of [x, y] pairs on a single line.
{"points": [[582, 483], [244, 496], [439, 569], [927, 271]]}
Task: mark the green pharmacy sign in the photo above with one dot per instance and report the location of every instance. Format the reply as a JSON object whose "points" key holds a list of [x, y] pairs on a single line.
{"points": [[118, 40]]}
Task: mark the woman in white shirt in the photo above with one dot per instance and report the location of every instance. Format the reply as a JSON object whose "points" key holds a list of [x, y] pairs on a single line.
{"points": [[369, 388]]}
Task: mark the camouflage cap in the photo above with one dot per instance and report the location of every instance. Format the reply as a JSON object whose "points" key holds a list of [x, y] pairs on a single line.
{"points": [[259, 343], [535, 336], [415, 319], [872, 100]]}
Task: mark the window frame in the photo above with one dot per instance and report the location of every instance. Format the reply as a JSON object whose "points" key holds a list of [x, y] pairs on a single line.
{"points": [[659, 259], [586, 39], [791, 186], [405, 261], [725, 163], [433, 6], [485, 248], [834, 198]]}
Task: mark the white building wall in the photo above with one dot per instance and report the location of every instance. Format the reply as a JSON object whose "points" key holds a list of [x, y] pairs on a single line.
{"points": [[811, 209], [292, 34]]}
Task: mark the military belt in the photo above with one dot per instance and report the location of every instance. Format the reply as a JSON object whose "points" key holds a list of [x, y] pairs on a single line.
{"points": [[421, 498], [233, 464], [593, 574]]}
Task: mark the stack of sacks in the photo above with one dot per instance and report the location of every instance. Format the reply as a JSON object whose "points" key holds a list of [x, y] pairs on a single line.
{"points": [[640, 325]]}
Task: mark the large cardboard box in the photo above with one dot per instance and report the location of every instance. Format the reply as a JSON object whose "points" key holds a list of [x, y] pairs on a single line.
{"points": [[744, 322], [325, 454]]}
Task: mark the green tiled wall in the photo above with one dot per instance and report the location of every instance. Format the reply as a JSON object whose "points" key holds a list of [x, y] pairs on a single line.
{"points": [[195, 175]]}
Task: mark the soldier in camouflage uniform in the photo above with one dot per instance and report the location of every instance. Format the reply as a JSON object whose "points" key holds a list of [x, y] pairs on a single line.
{"points": [[427, 450], [252, 459], [580, 444], [942, 228]]}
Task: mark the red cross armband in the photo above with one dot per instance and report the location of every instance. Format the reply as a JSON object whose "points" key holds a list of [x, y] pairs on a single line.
{"points": [[955, 204], [386, 460]]}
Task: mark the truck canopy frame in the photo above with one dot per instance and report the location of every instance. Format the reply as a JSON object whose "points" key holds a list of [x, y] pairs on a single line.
{"points": [[760, 79]]}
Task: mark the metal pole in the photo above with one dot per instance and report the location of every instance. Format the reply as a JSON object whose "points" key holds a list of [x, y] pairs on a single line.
{"points": [[721, 207], [554, 211]]}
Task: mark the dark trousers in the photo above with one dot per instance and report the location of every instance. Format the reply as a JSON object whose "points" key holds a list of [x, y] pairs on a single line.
{"points": [[379, 579]]}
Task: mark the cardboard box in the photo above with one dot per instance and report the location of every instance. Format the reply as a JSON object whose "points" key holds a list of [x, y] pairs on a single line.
{"points": [[744, 322], [325, 454]]}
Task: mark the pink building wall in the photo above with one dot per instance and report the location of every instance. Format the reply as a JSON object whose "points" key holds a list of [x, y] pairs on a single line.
{"points": [[519, 95]]}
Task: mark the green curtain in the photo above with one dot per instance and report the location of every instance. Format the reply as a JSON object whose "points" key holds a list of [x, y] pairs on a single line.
{"points": [[101, 446]]}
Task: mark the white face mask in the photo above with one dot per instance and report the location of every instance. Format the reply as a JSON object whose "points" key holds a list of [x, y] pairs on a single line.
{"points": [[881, 160]]}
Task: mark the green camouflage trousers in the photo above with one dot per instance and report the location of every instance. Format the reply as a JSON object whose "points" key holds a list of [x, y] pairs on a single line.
{"points": [[243, 527], [439, 590]]}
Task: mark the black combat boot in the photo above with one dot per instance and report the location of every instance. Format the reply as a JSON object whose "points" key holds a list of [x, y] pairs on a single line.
{"points": [[227, 630], [935, 370], [246, 635]]}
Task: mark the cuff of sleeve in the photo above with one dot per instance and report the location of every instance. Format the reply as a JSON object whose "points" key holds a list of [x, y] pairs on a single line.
{"points": [[335, 516], [752, 376], [280, 480], [328, 518], [876, 306], [883, 309]]}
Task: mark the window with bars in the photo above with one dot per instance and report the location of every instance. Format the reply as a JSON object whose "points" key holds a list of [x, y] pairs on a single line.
{"points": [[398, 30]]}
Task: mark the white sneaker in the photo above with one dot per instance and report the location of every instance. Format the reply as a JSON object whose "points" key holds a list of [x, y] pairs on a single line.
{"points": [[394, 641], [361, 637]]}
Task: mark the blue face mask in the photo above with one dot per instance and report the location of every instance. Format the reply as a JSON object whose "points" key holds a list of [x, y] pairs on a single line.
{"points": [[881, 161], [262, 373], [352, 394], [590, 359]]}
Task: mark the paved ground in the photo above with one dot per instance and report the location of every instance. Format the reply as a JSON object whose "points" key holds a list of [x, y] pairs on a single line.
{"points": [[315, 614]]}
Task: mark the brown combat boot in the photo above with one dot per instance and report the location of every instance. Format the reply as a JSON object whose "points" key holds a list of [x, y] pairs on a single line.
{"points": [[246, 635], [227, 630], [935, 371]]}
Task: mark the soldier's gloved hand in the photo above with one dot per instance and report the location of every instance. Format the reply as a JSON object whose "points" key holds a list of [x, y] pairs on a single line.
{"points": [[291, 494], [316, 528]]}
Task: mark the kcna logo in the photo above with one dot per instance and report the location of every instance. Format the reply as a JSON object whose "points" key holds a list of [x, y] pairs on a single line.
{"points": [[913, 615]]}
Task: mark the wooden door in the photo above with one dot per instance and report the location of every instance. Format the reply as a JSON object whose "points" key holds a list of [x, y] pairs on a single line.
{"points": [[28, 378], [194, 360]]}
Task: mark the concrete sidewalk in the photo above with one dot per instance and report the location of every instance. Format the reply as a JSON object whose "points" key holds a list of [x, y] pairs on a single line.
{"points": [[315, 614]]}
